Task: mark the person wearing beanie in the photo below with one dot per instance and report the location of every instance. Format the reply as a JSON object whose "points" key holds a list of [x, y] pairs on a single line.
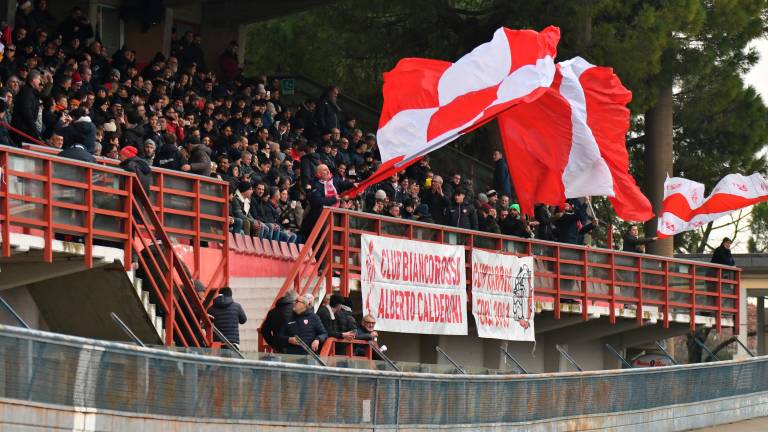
{"points": [[421, 213], [131, 162]]}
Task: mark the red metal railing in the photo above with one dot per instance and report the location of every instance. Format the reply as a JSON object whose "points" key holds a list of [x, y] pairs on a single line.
{"points": [[193, 209], [185, 318], [330, 345], [578, 274], [46, 195]]}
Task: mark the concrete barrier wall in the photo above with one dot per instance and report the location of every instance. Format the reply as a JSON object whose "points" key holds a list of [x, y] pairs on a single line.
{"points": [[56, 382]]}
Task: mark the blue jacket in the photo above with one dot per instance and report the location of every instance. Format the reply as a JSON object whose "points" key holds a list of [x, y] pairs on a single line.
{"points": [[501, 179], [307, 327], [227, 317]]}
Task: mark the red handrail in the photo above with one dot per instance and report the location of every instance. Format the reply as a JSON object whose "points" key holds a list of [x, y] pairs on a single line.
{"points": [[625, 278], [329, 348], [163, 202], [52, 195], [180, 300]]}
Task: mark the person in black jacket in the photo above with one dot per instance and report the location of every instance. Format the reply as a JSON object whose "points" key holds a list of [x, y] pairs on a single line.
{"points": [[461, 214], [77, 152], [26, 109], [276, 319], [304, 325], [325, 192], [568, 225], [436, 199], [327, 111], [722, 254], [130, 161], [335, 321], [501, 179], [5, 137], [228, 315], [633, 243]]}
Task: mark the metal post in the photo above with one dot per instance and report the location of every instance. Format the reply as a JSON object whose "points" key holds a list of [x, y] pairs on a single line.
{"points": [[12, 311], [568, 357], [704, 347], [616, 353], [456, 365], [226, 341], [310, 352], [514, 360], [665, 352], [126, 329], [381, 354]]}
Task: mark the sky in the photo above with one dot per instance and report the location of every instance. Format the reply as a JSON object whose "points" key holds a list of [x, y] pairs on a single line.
{"points": [[757, 78]]}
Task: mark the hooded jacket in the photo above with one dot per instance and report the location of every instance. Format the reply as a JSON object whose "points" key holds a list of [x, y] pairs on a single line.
{"points": [[275, 321], [227, 317], [141, 168], [84, 132]]}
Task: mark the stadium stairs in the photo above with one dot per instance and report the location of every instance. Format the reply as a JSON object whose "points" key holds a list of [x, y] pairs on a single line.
{"points": [[80, 241]]}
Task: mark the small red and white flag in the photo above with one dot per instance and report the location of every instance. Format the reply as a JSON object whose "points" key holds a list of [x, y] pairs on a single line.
{"points": [[686, 208], [429, 103], [571, 142]]}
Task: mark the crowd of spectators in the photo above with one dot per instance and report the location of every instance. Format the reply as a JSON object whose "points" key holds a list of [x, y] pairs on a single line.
{"points": [[293, 319], [283, 163]]}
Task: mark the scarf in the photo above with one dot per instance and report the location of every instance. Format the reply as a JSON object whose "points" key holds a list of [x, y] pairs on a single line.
{"points": [[330, 191]]}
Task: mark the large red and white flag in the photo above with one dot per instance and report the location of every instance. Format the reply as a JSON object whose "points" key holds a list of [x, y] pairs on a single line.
{"points": [[429, 103], [685, 208], [571, 142]]}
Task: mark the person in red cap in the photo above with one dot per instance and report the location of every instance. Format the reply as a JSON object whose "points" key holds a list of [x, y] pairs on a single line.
{"points": [[131, 162]]}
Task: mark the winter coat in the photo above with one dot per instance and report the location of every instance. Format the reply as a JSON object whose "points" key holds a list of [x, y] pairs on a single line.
{"points": [[437, 204], [340, 323], [632, 243], [488, 224], [26, 108], [722, 255], [5, 137], [318, 200], [276, 319], [327, 115], [567, 227], [461, 216], [200, 160], [141, 168], [267, 213], [291, 218], [169, 157], [133, 137], [77, 152], [501, 180], [83, 132], [307, 327], [227, 317]]}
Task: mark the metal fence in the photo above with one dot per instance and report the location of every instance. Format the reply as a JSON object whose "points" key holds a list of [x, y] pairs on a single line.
{"points": [[57, 369]]}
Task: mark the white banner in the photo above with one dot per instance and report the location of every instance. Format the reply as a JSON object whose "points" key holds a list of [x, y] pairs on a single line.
{"points": [[502, 296], [414, 287]]}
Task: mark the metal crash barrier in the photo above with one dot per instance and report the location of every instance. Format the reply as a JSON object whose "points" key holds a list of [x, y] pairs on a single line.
{"points": [[68, 371]]}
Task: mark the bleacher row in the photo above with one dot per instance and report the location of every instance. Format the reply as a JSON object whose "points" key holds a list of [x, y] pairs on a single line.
{"points": [[263, 247]]}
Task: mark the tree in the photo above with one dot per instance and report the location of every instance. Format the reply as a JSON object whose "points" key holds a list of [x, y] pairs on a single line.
{"points": [[695, 47], [758, 242]]}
